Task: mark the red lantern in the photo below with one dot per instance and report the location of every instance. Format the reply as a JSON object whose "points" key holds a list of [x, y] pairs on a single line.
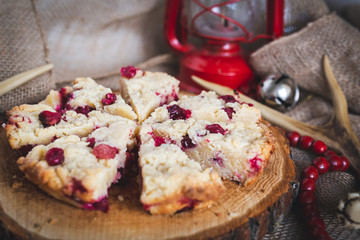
{"points": [[219, 59]]}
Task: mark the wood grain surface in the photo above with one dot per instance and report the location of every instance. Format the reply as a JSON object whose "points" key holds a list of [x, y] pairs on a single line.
{"points": [[241, 213]]}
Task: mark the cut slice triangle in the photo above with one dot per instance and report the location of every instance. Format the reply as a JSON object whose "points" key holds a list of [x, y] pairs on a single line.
{"points": [[147, 90], [80, 171], [171, 181]]}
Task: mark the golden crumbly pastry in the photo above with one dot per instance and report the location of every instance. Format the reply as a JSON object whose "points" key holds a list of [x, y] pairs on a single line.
{"points": [[145, 91], [217, 132], [77, 141], [80, 171]]}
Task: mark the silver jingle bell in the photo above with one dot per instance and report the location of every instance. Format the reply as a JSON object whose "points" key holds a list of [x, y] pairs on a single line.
{"points": [[278, 91]]}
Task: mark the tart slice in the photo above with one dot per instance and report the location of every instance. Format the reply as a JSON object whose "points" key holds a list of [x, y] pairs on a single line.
{"points": [[145, 91], [237, 148], [86, 95], [30, 125], [171, 181], [80, 171], [235, 153], [214, 108]]}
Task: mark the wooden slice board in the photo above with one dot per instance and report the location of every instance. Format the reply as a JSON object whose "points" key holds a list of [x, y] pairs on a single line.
{"points": [[244, 212]]}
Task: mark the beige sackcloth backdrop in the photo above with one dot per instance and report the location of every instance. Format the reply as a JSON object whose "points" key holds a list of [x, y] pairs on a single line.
{"points": [[96, 38]]}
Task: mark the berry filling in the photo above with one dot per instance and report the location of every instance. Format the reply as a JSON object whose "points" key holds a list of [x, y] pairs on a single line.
{"points": [[249, 104], [73, 188], [147, 207], [174, 95], [161, 140], [216, 128], [48, 118], [15, 121], [191, 203], [187, 142], [109, 98], [228, 98], [65, 99], [131, 168], [167, 98], [12, 122], [64, 92], [117, 177], [24, 150], [239, 176], [102, 204], [201, 133], [218, 160], [128, 72], [177, 112], [58, 106], [254, 164], [84, 110], [91, 142], [164, 99], [54, 156], [229, 111], [64, 117], [158, 141], [104, 151], [77, 186], [53, 138]]}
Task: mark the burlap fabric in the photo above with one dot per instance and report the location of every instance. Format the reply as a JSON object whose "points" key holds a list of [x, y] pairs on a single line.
{"points": [[22, 47], [83, 38], [300, 56], [95, 38]]}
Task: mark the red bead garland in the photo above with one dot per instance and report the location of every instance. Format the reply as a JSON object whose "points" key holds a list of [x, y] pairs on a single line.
{"points": [[309, 210], [329, 161], [305, 142], [293, 138], [335, 163], [321, 164], [310, 172], [345, 164], [306, 197], [329, 153], [318, 147], [307, 184]]}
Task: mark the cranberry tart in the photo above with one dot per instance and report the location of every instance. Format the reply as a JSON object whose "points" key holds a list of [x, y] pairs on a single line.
{"points": [[86, 95], [30, 125], [171, 181], [79, 140], [234, 143], [76, 109], [80, 171]]}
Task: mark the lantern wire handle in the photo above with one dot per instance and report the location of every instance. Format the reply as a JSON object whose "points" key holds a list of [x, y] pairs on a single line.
{"points": [[245, 39], [218, 14]]}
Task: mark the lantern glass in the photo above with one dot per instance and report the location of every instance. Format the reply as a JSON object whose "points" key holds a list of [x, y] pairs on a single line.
{"points": [[224, 18]]}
